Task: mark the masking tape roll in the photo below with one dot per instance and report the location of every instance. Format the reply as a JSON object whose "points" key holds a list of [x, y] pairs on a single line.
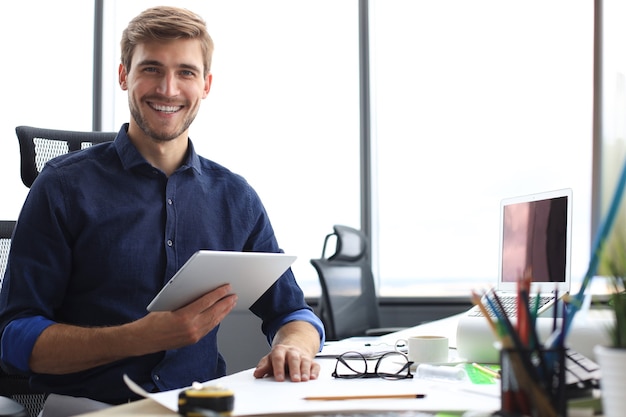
{"points": [[196, 401]]}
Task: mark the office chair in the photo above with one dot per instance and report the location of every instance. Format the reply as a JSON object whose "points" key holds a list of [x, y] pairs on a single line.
{"points": [[349, 304], [16, 386], [6, 230], [39, 145]]}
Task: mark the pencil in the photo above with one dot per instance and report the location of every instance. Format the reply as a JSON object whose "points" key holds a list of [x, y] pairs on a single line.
{"points": [[477, 301], [363, 397], [486, 370]]}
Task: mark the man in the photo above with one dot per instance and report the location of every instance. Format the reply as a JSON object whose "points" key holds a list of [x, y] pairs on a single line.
{"points": [[103, 229]]}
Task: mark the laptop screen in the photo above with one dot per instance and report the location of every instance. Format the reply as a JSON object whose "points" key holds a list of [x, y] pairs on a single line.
{"points": [[535, 240]]}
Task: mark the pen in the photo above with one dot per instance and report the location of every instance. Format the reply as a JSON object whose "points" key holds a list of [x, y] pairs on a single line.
{"points": [[363, 397], [486, 370]]}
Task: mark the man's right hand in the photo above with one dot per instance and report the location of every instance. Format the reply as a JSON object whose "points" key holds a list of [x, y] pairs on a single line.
{"points": [[63, 348], [187, 325]]}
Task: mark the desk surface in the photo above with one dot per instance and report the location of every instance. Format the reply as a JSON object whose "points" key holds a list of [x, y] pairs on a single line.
{"points": [[147, 407], [268, 397], [256, 397]]}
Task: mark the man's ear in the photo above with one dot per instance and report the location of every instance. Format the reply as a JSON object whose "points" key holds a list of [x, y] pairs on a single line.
{"points": [[207, 85], [122, 75]]}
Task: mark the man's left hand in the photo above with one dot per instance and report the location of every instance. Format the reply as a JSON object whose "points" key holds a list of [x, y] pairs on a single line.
{"points": [[292, 354]]}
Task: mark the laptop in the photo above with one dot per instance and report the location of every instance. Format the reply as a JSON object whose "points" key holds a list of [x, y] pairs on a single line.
{"points": [[535, 241]]}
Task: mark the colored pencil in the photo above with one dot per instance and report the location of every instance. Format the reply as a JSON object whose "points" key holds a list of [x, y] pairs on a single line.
{"points": [[486, 370], [363, 397]]}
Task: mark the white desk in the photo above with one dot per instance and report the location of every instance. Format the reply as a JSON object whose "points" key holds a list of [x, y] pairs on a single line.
{"points": [[268, 397]]}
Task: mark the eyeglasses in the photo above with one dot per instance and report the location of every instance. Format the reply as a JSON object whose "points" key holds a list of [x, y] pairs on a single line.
{"points": [[390, 365]]}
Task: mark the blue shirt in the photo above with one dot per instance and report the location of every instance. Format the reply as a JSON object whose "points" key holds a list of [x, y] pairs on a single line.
{"points": [[100, 233]]}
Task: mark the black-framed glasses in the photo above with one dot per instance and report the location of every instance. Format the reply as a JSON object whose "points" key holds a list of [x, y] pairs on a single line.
{"points": [[389, 365]]}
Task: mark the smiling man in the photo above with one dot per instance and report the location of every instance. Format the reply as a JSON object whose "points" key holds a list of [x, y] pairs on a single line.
{"points": [[102, 230]]}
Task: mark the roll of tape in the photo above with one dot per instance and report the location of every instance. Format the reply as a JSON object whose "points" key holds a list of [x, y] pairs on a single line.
{"points": [[198, 401]]}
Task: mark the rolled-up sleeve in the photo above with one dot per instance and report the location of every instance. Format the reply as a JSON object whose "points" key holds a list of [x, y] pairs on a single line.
{"points": [[298, 315], [18, 339]]}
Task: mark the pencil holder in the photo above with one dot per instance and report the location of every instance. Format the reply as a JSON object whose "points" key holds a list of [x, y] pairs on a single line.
{"points": [[533, 382]]}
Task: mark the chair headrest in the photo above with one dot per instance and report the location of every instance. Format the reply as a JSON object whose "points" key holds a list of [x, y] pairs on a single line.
{"points": [[351, 244]]}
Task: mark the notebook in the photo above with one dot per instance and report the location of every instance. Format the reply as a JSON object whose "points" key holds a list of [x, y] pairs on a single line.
{"points": [[249, 273], [535, 239]]}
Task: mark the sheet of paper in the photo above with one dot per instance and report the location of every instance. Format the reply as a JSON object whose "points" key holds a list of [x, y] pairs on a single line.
{"points": [[266, 396], [168, 399], [369, 347], [375, 348]]}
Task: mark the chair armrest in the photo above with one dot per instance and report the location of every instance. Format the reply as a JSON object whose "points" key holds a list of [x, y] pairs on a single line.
{"points": [[380, 331]]}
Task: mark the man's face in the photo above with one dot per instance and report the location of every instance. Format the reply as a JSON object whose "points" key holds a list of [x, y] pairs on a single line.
{"points": [[165, 86]]}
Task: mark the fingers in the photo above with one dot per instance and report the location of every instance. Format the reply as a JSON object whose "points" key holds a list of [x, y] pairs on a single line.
{"points": [[210, 299], [287, 362], [263, 368], [308, 368], [209, 310], [190, 323]]}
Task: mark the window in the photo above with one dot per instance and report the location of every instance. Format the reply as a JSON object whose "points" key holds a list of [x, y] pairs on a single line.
{"points": [[47, 79], [613, 94], [475, 101], [471, 102]]}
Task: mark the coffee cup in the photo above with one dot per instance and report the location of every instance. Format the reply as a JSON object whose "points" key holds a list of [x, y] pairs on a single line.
{"points": [[427, 349]]}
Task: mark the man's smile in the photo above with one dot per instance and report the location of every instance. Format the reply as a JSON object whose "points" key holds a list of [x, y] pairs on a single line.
{"points": [[164, 108]]}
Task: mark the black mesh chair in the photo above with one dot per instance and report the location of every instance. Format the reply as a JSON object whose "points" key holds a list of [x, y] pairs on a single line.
{"points": [[38, 146], [16, 386], [349, 304], [6, 230]]}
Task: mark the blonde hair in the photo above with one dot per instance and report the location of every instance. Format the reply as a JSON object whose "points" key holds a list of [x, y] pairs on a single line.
{"points": [[165, 23]]}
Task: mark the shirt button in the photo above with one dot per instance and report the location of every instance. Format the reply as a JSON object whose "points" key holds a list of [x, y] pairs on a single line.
{"points": [[170, 243], [169, 201], [156, 377]]}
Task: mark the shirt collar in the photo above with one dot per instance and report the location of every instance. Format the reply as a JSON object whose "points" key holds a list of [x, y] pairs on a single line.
{"points": [[131, 158]]}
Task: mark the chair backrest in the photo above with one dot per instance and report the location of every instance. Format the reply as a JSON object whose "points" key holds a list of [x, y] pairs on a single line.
{"points": [[38, 146], [349, 304], [6, 230], [16, 387]]}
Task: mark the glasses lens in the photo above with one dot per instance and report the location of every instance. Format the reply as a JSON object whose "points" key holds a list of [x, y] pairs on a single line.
{"points": [[393, 365], [350, 365]]}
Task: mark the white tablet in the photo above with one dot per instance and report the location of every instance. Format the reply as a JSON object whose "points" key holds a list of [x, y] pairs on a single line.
{"points": [[249, 273]]}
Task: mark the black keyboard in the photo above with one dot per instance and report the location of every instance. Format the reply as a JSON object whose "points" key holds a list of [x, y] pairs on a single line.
{"points": [[582, 373], [509, 303]]}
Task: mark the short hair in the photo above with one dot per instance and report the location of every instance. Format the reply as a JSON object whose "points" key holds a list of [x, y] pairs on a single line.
{"points": [[165, 23]]}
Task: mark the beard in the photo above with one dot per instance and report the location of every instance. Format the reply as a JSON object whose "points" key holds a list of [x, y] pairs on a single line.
{"points": [[159, 135]]}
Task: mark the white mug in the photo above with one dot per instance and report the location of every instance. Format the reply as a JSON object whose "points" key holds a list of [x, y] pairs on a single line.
{"points": [[428, 349]]}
